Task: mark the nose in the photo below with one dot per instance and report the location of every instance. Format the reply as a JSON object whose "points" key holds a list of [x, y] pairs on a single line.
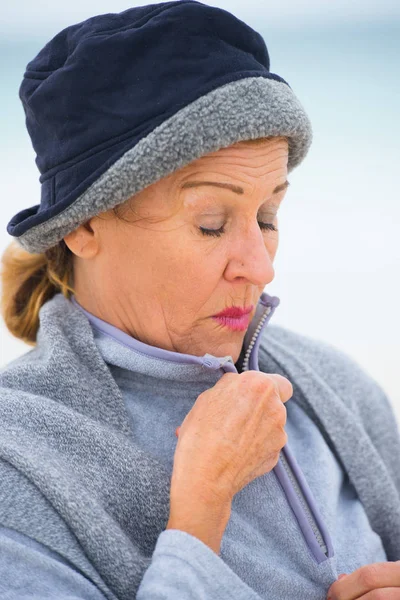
{"points": [[251, 257]]}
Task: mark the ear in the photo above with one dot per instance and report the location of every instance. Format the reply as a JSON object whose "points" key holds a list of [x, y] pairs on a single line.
{"points": [[83, 241]]}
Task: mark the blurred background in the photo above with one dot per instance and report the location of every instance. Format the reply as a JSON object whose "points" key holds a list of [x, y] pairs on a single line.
{"points": [[338, 263]]}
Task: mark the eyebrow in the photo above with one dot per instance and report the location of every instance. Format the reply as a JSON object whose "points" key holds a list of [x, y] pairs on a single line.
{"points": [[235, 188]]}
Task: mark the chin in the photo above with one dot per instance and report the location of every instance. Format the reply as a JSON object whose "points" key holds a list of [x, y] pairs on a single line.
{"points": [[233, 350]]}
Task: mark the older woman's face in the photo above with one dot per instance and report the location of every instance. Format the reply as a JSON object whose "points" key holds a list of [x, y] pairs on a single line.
{"points": [[188, 251]]}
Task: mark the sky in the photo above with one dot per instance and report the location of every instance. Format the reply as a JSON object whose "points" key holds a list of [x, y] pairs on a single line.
{"points": [[46, 17], [338, 263]]}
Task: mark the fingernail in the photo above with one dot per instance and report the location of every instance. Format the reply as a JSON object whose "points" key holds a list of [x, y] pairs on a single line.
{"points": [[342, 575]]}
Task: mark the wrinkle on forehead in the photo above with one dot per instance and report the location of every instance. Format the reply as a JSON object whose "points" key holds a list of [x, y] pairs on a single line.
{"points": [[249, 178], [242, 164]]}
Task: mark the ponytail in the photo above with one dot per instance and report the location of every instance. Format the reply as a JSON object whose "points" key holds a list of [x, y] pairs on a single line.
{"points": [[28, 281]]}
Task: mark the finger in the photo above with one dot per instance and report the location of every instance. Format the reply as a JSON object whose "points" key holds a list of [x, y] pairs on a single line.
{"points": [[284, 386], [366, 579], [177, 431]]}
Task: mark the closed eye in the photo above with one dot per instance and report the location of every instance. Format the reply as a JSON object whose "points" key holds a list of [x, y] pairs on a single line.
{"points": [[221, 230]]}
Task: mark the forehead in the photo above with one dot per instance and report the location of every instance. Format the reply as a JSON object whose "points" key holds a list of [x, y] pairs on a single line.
{"points": [[229, 172]]}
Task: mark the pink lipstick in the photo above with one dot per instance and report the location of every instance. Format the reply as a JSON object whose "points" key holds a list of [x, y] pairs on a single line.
{"points": [[235, 317]]}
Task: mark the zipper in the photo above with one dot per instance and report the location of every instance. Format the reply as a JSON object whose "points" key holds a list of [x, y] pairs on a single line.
{"points": [[304, 504], [294, 484], [254, 338]]}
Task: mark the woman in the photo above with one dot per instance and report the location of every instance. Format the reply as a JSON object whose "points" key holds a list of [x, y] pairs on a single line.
{"points": [[160, 440]]}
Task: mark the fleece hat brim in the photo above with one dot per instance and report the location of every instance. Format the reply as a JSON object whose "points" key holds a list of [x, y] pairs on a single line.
{"points": [[216, 90]]}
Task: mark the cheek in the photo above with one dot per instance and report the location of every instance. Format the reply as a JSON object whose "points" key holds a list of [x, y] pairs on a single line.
{"points": [[134, 258], [171, 263], [190, 269], [192, 266], [166, 258]]}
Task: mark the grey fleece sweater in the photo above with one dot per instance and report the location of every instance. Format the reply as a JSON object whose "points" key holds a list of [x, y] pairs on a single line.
{"points": [[274, 546]]}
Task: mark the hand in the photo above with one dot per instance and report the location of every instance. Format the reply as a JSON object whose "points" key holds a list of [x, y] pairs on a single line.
{"points": [[377, 581], [233, 434]]}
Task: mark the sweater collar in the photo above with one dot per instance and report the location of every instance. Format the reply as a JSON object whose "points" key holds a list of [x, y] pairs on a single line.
{"points": [[124, 351]]}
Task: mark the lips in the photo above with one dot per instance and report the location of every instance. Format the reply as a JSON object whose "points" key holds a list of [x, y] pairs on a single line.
{"points": [[235, 318], [234, 312]]}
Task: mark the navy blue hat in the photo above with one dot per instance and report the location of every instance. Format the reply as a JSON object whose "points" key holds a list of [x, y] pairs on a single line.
{"points": [[119, 101]]}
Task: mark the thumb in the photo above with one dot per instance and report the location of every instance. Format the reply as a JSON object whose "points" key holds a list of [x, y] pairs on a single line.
{"points": [[284, 385]]}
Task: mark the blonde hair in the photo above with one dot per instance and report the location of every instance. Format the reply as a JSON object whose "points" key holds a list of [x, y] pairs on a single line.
{"points": [[28, 280]]}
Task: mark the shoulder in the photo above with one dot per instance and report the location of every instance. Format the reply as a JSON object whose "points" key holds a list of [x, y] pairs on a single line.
{"points": [[308, 348], [338, 369], [310, 357], [341, 372]]}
